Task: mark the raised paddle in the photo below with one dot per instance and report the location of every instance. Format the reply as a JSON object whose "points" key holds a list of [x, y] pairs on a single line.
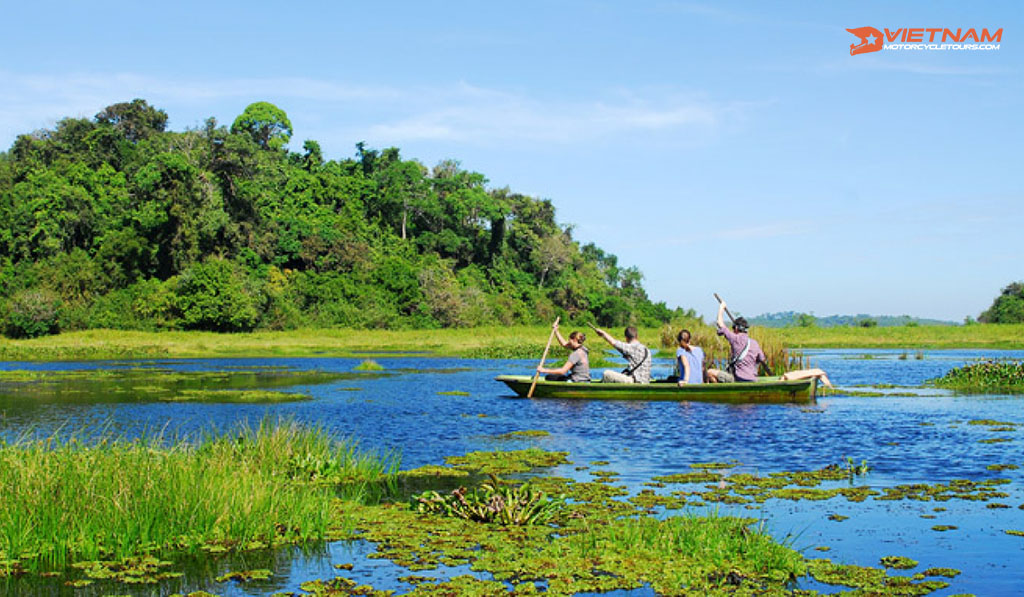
{"points": [[720, 301], [733, 319], [543, 358]]}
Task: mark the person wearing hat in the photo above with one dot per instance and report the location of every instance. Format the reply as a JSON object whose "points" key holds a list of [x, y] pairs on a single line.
{"points": [[745, 352]]}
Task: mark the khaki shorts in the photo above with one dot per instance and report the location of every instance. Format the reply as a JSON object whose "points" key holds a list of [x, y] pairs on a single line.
{"points": [[725, 377], [611, 376]]}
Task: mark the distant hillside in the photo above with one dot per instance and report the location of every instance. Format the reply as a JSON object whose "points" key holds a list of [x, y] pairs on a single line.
{"points": [[792, 318]]}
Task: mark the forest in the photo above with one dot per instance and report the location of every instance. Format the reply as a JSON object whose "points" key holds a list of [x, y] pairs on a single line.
{"points": [[115, 222]]}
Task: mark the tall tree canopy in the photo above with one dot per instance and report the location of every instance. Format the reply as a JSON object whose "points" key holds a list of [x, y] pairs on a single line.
{"points": [[1008, 306], [117, 222]]}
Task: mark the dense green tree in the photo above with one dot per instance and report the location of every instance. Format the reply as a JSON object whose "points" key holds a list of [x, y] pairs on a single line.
{"points": [[117, 222], [135, 120], [267, 124], [1008, 307]]}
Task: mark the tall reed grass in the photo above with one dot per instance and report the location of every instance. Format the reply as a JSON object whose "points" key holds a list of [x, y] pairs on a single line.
{"points": [[68, 499], [716, 349]]}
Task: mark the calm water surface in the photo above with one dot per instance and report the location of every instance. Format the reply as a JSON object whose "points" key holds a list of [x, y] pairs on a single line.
{"points": [[918, 439]]}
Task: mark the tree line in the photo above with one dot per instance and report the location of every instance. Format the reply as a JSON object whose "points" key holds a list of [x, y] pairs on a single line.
{"points": [[116, 222]]}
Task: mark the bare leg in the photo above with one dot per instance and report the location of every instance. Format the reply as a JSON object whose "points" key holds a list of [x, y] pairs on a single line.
{"points": [[807, 374]]}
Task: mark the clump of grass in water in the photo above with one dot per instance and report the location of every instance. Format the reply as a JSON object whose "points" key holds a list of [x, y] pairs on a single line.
{"points": [[236, 396], [66, 499], [985, 377], [369, 365]]}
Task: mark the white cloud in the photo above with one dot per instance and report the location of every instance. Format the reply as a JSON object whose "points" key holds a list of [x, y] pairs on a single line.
{"points": [[390, 115]]}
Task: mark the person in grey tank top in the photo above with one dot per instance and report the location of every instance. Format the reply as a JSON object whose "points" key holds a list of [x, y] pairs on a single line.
{"points": [[577, 367]]}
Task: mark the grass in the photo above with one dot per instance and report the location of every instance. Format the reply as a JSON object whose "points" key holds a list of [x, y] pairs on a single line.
{"points": [[236, 396], [65, 499], [521, 342], [985, 377], [967, 336]]}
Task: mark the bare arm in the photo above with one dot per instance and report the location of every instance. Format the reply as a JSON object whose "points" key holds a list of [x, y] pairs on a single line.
{"points": [[721, 309], [605, 335], [558, 336], [685, 379], [560, 371]]}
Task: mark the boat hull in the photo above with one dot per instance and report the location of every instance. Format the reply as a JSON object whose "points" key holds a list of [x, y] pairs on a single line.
{"points": [[767, 390]]}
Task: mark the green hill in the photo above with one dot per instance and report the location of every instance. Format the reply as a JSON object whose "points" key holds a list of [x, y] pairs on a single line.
{"points": [[115, 222], [792, 318]]}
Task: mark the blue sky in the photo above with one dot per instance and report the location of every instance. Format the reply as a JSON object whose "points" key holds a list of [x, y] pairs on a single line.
{"points": [[720, 147]]}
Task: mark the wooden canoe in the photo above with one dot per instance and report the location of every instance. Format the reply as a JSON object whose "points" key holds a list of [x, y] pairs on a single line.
{"points": [[766, 390]]}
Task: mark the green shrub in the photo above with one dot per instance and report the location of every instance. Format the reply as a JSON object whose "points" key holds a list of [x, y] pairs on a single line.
{"points": [[211, 296], [32, 313]]}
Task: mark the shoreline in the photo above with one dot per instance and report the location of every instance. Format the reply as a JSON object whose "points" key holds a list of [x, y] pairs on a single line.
{"points": [[482, 342]]}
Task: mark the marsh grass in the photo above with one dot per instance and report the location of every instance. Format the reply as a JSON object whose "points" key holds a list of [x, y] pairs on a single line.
{"points": [[716, 349], [236, 396], [68, 499], [518, 342]]}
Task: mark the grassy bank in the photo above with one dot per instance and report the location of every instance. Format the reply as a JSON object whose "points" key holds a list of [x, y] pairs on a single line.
{"points": [[968, 336], [483, 342], [68, 500]]}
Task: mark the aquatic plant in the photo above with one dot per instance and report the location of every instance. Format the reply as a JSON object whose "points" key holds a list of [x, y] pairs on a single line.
{"points": [[494, 501], [368, 365], [856, 470], [987, 376], [65, 498], [523, 434], [235, 396], [898, 562]]}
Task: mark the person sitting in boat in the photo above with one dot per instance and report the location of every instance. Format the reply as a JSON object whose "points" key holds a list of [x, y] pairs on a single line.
{"points": [[745, 353], [638, 358], [577, 367], [689, 360]]}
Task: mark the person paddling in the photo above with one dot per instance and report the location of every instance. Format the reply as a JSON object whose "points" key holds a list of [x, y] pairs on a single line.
{"points": [[745, 352], [577, 367]]}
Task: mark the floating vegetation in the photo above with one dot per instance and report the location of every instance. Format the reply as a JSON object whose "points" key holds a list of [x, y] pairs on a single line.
{"points": [[898, 562], [523, 434], [368, 365], [434, 470], [947, 572], [993, 423], [985, 377], [837, 517], [453, 393], [1002, 467], [236, 396], [1014, 532], [246, 576], [501, 463], [871, 581], [157, 383], [995, 440], [134, 570], [944, 527]]}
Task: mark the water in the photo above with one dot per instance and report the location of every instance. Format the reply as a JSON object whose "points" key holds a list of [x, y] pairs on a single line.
{"points": [[905, 439]]}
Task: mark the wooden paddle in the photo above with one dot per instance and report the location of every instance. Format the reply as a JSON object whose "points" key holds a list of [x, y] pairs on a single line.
{"points": [[720, 301], [543, 358]]}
